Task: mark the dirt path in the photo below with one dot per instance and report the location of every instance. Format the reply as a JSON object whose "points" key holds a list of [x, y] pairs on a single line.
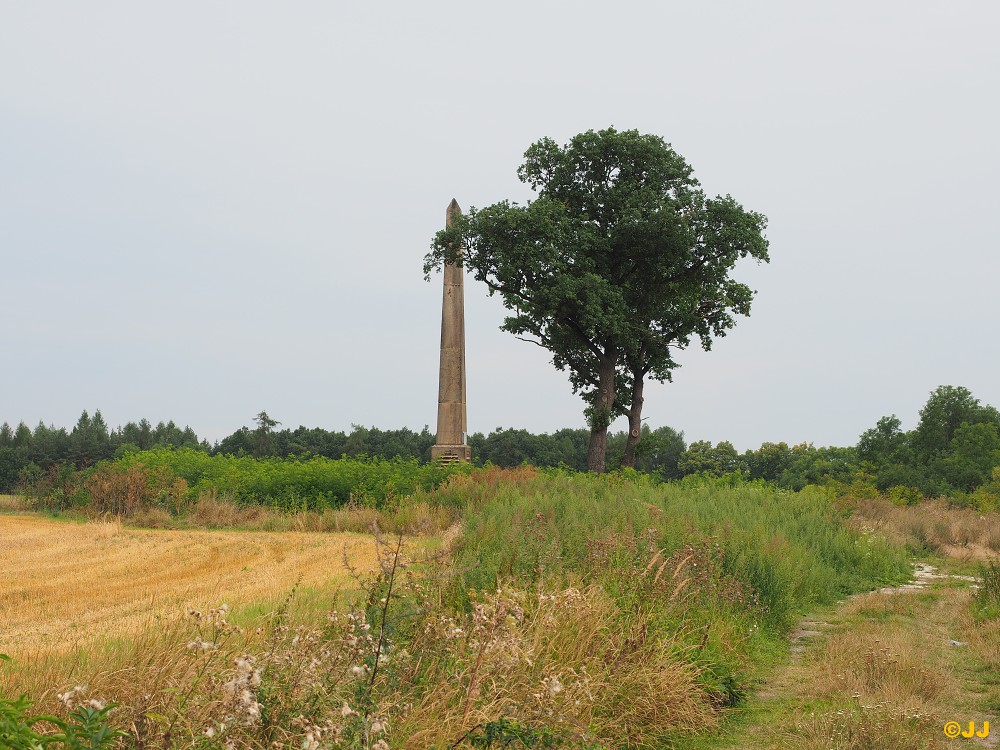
{"points": [[888, 669]]}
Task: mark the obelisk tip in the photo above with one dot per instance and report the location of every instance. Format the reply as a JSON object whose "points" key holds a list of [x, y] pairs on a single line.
{"points": [[453, 210]]}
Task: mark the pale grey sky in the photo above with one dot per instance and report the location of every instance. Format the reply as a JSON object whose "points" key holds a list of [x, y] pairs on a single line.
{"points": [[209, 209]]}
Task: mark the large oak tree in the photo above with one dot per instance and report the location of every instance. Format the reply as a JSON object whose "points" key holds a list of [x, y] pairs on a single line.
{"points": [[618, 262]]}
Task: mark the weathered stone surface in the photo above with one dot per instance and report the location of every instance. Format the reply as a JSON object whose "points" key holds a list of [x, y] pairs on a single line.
{"points": [[452, 420]]}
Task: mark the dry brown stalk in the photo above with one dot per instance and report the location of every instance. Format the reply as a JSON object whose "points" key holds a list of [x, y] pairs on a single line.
{"points": [[652, 562]]}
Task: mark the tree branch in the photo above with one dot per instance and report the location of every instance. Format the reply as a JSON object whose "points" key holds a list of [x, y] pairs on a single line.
{"points": [[532, 341]]}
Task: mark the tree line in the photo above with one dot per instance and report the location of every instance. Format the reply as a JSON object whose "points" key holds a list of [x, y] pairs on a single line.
{"points": [[26, 454], [953, 451]]}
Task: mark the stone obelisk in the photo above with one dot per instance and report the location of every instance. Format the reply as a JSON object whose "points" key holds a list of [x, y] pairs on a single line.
{"points": [[451, 425]]}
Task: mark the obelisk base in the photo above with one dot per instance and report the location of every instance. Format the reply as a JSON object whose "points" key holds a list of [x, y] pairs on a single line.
{"points": [[450, 454]]}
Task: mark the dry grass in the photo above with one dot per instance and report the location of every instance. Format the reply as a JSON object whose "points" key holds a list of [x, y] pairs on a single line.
{"points": [[933, 526], [865, 728], [12, 503], [67, 584], [983, 638], [882, 665], [879, 663], [566, 659], [901, 678], [211, 511]]}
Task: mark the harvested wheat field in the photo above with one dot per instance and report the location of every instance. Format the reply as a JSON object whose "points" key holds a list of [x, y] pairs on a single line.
{"points": [[64, 584]]}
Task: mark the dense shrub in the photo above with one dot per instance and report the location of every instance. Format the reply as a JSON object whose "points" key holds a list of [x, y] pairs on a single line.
{"points": [[172, 480], [122, 490]]}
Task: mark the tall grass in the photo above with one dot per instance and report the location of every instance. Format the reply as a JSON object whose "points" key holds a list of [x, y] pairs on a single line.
{"points": [[791, 550], [987, 595], [415, 515]]}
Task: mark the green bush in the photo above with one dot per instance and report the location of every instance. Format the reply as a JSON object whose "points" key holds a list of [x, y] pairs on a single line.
{"points": [[173, 478], [902, 495], [313, 483]]}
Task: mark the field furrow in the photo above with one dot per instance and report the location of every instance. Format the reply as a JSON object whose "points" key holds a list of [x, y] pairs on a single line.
{"points": [[62, 584]]}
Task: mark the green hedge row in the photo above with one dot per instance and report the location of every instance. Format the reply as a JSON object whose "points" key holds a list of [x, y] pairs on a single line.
{"points": [[294, 484]]}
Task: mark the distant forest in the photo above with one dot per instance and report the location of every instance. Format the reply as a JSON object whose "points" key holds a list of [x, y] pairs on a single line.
{"points": [[954, 451]]}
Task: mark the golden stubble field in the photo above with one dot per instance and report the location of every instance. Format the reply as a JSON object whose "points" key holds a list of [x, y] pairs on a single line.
{"points": [[63, 585]]}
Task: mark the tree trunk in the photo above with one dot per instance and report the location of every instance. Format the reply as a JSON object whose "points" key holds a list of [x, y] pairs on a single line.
{"points": [[601, 417], [634, 421], [597, 449]]}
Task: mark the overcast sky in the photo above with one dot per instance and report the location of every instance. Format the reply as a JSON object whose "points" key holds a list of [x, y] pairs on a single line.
{"points": [[210, 209]]}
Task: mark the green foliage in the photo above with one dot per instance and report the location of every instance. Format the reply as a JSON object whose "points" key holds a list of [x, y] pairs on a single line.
{"points": [[86, 728], [620, 260], [89, 442], [974, 451], [293, 484], [808, 465], [262, 441], [659, 451], [512, 447], [315, 441], [901, 495], [701, 458], [46, 446], [952, 451], [768, 462], [36, 453], [883, 444], [947, 409], [53, 489], [8, 467]]}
